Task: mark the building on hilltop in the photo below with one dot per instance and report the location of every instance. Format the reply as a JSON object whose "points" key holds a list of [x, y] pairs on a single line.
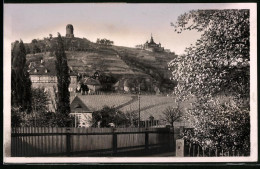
{"points": [[69, 31], [151, 46]]}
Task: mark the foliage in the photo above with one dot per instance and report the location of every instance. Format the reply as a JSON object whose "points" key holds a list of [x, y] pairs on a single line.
{"points": [[40, 116], [171, 114], [132, 118], [63, 79], [104, 42], [106, 81], [219, 61], [217, 65], [161, 81], [35, 46], [21, 83], [223, 125], [16, 117], [109, 115]]}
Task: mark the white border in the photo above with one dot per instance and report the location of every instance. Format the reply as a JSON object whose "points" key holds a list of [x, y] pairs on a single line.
{"points": [[253, 113]]}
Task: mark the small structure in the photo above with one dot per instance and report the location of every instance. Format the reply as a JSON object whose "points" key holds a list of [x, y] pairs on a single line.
{"points": [[93, 84], [69, 31], [81, 113], [180, 148]]}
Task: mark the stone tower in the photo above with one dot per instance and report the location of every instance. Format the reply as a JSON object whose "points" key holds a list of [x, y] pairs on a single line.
{"points": [[69, 31]]}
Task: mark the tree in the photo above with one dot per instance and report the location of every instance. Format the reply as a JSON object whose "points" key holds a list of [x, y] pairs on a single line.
{"points": [[104, 42], [220, 125], [35, 46], [21, 83], [40, 103], [108, 115], [171, 114], [217, 65], [219, 61], [63, 79], [132, 118], [27, 49]]}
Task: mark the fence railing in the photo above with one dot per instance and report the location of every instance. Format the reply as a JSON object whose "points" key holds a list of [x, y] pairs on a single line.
{"points": [[195, 150], [33, 141]]}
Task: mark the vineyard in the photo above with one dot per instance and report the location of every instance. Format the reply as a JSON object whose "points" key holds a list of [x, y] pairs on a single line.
{"points": [[150, 105]]}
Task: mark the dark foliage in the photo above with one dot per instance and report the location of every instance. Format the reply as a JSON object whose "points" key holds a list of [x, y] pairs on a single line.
{"points": [[21, 83], [109, 115], [63, 95]]}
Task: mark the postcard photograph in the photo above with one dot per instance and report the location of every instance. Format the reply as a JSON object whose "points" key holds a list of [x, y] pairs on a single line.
{"points": [[130, 83]]}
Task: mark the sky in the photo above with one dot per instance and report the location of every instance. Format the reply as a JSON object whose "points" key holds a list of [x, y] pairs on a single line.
{"points": [[125, 24]]}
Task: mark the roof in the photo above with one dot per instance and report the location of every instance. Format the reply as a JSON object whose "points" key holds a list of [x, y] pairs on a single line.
{"points": [[78, 106], [91, 81], [46, 67]]}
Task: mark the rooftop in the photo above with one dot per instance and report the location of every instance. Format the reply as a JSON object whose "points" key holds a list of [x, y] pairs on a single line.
{"points": [[78, 106], [45, 67]]}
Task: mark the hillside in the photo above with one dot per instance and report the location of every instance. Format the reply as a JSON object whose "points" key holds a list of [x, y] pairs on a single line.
{"points": [[85, 57]]}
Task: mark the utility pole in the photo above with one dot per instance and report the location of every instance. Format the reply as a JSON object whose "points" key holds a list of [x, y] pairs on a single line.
{"points": [[75, 120]]}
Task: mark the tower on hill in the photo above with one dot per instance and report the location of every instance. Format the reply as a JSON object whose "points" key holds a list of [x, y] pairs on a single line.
{"points": [[69, 31]]}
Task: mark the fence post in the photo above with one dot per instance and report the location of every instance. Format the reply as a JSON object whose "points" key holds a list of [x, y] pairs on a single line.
{"points": [[114, 141], [198, 151], [68, 144], [193, 153], [146, 139], [171, 139]]}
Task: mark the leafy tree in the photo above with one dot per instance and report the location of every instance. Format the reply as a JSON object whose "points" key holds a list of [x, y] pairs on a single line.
{"points": [[35, 46], [27, 49], [63, 79], [104, 42], [21, 83], [171, 114], [219, 61], [109, 115], [132, 118], [40, 103], [217, 65], [220, 124]]}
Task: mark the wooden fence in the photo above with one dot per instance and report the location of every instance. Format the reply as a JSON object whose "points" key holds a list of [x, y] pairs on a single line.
{"points": [[37, 142]]}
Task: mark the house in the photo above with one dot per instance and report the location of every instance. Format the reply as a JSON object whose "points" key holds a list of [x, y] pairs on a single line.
{"points": [[133, 85], [81, 113], [93, 84], [43, 74]]}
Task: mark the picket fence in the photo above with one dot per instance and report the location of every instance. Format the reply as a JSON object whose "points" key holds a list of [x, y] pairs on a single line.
{"points": [[195, 150], [43, 141]]}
